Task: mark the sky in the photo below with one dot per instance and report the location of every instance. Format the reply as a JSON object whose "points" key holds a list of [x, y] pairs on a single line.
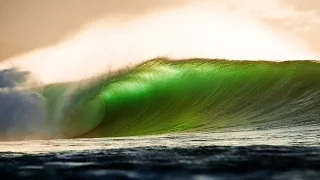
{"points": [[27, 25], [64, 39]]}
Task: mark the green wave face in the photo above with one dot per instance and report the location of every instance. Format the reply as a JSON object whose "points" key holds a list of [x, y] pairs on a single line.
{"points": [[191, 95]]}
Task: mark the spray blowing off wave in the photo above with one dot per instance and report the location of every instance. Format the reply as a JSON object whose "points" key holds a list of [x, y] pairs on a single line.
{"points": [[161, 96], [186, 32]]}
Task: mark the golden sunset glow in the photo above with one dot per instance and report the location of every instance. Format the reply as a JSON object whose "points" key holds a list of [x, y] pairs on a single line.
{"points": [[196, 30]]}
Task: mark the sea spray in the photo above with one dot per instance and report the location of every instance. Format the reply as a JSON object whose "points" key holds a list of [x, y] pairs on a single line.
{"points": [[199, 31]]}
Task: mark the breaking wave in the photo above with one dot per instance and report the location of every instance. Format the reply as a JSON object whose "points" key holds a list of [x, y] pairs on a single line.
{"points": [[164, 96]]}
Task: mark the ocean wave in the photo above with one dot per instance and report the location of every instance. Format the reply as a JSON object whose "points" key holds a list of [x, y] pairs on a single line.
{"points": [[164, 96]]}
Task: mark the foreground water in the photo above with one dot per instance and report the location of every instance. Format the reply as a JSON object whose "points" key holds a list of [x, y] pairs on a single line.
{"points": [[252, 154]]}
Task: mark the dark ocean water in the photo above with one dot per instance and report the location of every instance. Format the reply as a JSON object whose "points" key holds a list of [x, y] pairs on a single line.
{"points": [[263, 154]]}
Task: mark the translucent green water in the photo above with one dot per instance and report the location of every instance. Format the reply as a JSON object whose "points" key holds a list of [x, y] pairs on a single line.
{"points": [[191, 95]]}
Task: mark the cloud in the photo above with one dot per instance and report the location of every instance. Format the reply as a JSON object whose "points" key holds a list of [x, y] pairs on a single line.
{"points": [[9, 78], [22, 112]]}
